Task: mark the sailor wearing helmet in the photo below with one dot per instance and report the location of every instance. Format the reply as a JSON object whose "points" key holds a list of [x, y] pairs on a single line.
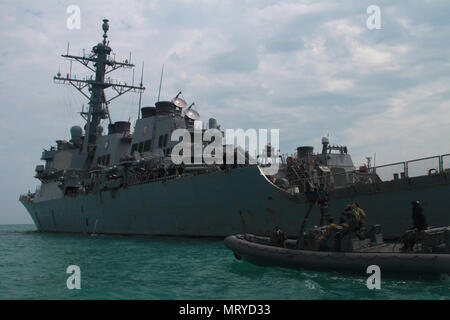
{"points": [[419, 220]]}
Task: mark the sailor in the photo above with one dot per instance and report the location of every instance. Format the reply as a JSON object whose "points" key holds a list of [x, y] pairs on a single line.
{"points": [[161, 171], [330, 227], [278, 237], [360, 214], [350, 216], [410, 237], [355, 216], [172, 170], [181, 168], [328, 231], [419, 220]]}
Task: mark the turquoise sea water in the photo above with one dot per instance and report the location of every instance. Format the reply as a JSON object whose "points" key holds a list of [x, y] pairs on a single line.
{"points": [[33, 266]]}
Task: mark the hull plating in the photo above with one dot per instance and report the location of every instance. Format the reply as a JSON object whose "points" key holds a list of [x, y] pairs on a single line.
{"points": [[240, 201]]}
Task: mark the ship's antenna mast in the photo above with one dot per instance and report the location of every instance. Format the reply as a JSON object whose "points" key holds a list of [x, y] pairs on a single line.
{"points": [[160, 82], [101, 64], [140, 93]]}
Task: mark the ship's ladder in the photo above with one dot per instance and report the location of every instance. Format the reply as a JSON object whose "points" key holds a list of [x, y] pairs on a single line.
{"points": [[298, 175]]}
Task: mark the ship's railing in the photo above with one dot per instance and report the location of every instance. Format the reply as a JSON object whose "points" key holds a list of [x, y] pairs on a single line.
{"points": [[146, 179], [445, 162], [412, 168], [99, 179], [388, 172]]}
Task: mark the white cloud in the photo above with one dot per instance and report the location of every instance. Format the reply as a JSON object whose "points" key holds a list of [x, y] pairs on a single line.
{"points": [[413, 125]]}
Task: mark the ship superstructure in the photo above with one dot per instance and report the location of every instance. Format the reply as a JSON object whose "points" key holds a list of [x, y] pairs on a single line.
{"points": [[91, 157]]}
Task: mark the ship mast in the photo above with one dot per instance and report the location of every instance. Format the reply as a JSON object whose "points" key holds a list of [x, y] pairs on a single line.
{"points": [[101, 64]]}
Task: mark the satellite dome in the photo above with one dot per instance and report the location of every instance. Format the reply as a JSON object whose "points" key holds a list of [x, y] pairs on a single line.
{"points": [[76, 131], [325, 140]]}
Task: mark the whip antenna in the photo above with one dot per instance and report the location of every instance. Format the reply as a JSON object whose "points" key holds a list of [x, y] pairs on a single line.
{"points": [[160, 82]]}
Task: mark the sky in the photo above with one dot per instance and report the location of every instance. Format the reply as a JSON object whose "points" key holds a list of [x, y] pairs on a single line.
{"points": [[308, 68]]}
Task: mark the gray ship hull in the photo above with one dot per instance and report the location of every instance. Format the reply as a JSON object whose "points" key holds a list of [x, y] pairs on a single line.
{"points": [[239, 201]]}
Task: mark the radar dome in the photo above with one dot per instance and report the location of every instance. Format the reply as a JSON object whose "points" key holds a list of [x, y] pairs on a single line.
{"points": [[325, 140], [76, 131]]}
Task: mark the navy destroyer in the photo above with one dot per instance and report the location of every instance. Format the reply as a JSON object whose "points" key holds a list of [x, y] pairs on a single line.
{"points": [[124, 182]]}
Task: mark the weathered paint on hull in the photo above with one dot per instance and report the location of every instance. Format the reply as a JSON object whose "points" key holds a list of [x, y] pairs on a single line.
{"points": [[224, 203]]}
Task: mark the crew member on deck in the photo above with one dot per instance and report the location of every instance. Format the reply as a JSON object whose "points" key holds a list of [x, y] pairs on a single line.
{"points": [[419, 220]]}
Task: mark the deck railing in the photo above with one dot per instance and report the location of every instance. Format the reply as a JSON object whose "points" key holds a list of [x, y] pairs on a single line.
{"points": [[413, 168], [387, 172]]}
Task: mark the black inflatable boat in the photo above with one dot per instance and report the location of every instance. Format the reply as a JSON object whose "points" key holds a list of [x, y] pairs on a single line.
{"points": [[349, 254]]}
